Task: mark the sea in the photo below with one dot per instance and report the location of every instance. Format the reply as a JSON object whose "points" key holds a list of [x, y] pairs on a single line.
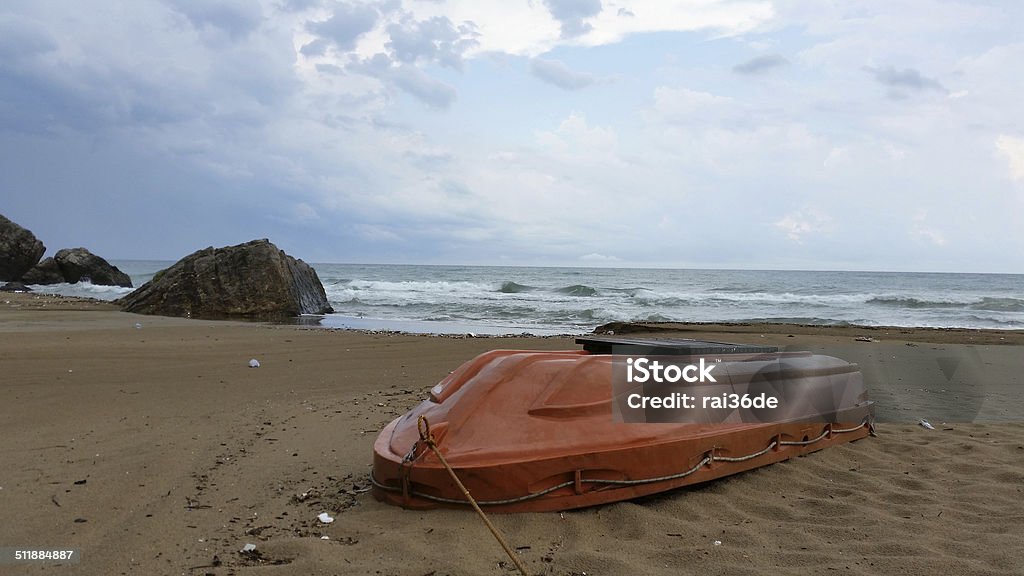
{"points": [[548, 300]]}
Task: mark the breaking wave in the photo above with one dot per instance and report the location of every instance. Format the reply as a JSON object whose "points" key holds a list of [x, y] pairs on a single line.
{"points": [[510, 287], [578, 299], [577, 290], [985, 303], [83, 290], [555, 298]]}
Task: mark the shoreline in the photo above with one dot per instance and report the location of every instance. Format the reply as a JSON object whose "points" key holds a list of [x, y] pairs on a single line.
{"points": [[917, 333], [157, 450], [929, 334]]}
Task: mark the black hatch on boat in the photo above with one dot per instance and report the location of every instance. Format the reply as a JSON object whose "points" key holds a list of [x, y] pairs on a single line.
{"points": [[666, 347]]}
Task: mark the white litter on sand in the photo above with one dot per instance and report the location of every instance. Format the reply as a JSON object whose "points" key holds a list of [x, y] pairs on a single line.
{"points": [[248, 548], [325, 518], [254, 363]]}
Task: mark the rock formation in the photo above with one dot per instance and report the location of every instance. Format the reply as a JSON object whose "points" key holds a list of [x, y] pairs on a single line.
{"points": [[78, 264], [46, 272], [19, 250], [15, 287], [254, 279], [75, 265]]}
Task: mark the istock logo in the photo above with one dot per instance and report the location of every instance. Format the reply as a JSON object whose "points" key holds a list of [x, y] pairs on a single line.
{"points": [[747, 387], [654, 371]]}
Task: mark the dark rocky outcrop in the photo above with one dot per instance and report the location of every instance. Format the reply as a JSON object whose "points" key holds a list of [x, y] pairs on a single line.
{"points": [[46, 272], [77, 264], [254, 279], [19, 250], [15, 287], [73, 265]]}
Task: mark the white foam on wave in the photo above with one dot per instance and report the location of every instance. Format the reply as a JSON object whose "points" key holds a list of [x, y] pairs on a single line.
{"points": [[389, 293], [82, 290], [560, 298]]}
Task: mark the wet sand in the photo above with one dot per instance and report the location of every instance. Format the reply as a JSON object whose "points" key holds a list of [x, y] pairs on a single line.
{"points": [[157, 450]]}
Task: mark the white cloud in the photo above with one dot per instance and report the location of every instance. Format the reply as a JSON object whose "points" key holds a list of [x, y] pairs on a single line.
{"points": [[1012, 149], [895, 152], [836, 156], [227, 108], [724, 18], [577, 140], [530, 29], [921, 231], [686, 105], [804, 222], [594, 257], [520, 28], [928, 234]]}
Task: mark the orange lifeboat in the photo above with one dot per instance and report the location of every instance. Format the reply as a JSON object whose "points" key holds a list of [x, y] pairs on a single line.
{"points": [[529, 431]]}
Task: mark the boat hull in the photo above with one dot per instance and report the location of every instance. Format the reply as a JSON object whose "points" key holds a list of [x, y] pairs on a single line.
{"points": [[523, 486], [529, 431]]}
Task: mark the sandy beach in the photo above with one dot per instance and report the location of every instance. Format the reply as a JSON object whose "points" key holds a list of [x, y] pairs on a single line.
{"points": [[150, 445]]}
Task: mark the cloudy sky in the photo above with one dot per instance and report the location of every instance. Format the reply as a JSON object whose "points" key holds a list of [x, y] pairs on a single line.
{"points": [[686, 133]]}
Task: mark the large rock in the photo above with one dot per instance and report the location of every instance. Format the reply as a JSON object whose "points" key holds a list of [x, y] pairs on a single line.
{"points": [[77, 264], [19, 250], [254, 279], [15, 287], [46, 272]]}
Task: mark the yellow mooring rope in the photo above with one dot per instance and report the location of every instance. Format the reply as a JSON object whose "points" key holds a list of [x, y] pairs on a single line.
{"points": [[427, 438]]}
